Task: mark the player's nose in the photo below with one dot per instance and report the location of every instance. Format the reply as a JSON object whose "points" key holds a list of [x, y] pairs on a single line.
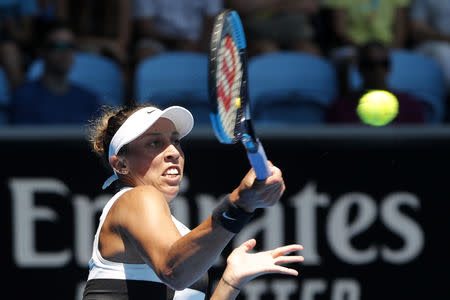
{"points": [[172, 153]]}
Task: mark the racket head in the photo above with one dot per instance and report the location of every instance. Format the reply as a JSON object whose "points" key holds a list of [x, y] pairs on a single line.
{"points": [[227, 80]]}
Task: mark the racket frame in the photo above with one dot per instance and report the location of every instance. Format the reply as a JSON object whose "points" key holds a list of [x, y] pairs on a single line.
{"points": [[228, 22]]}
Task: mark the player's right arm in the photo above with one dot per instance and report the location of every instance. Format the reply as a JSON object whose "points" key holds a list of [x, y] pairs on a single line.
{"points": [[252, 194], [144, 217]]}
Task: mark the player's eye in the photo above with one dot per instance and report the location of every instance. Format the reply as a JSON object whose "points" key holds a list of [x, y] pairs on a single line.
{"points": [[154, 143]]}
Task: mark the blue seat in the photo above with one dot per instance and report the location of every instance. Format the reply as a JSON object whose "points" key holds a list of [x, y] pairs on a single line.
{"points": [[96, 73], [291, 88], [5, 94], [175, 78], [417, 75]]}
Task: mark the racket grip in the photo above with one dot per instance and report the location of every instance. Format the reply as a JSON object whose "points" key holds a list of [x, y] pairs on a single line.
{"points": [[258, 160]]}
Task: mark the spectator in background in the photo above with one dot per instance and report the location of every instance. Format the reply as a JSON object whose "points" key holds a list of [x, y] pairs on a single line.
{"points": [[163, 25], [430, 29], [374, 66], [53, 99], [16, 28], [48, 11], [101, 26], [355, 22], [274, 25]]}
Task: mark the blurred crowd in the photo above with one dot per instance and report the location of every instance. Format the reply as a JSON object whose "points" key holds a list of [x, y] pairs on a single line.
{"points": [[349, 34]]}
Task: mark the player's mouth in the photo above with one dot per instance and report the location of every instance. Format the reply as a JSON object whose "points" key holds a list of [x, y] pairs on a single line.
{"points": [[172, 172]]}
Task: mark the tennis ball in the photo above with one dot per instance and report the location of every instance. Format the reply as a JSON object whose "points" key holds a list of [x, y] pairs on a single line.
{"points": [[377, 108]]}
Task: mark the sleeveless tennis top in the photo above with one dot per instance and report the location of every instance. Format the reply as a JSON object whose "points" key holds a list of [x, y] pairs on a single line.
{"points": [[133, 281]]}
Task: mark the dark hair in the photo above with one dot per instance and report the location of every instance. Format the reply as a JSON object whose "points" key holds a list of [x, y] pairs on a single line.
{"points": [[104, 127]]}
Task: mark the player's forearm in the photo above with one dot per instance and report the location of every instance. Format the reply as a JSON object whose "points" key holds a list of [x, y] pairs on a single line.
{"points": [[198, 250], [192, 255]]}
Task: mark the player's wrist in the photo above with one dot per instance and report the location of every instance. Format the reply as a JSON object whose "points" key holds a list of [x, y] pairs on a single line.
{"points": [[230, 283], [237, 201], [230, 216]]}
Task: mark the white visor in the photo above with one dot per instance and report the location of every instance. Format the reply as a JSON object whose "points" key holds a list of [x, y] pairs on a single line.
{"points": [[140, 121]]}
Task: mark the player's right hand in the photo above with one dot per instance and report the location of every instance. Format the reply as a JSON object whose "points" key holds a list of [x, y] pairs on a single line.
{"points": [[252, 193]]}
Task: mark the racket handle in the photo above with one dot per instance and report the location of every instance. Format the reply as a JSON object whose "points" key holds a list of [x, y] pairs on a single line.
{"points": [[258, 160]]}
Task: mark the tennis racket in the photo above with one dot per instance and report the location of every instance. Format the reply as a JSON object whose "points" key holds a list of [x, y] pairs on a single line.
{"points": [[228, 92]]}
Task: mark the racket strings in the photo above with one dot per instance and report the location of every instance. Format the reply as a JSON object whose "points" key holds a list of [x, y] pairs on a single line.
{"points": [[228, 75], [229, 60]]}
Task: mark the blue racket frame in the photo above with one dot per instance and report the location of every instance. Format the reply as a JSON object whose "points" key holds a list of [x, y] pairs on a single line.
{"points": [[231, 24]]}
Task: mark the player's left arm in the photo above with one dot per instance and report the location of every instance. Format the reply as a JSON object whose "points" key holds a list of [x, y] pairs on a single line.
{"points": [[243, 266]]}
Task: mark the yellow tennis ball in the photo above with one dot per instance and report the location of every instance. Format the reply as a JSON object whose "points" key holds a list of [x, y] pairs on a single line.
{"points": [[377, 108]]}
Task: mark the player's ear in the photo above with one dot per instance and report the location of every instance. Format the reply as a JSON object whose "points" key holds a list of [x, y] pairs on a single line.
{"points": [[119, 164]]}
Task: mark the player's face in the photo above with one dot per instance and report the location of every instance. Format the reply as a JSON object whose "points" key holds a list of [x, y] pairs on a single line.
{"points": [[156, 158]]}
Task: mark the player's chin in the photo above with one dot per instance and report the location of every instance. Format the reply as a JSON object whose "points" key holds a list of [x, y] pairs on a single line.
{"points": [[171, 191], [171, 180]]}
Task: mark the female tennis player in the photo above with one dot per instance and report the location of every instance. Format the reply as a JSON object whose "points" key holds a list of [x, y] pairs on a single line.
{"points": [[140, 250]]}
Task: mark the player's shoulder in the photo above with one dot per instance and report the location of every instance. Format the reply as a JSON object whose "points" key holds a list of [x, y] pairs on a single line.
{"points": [[141, 196], [136, 203], [135, 207]]}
